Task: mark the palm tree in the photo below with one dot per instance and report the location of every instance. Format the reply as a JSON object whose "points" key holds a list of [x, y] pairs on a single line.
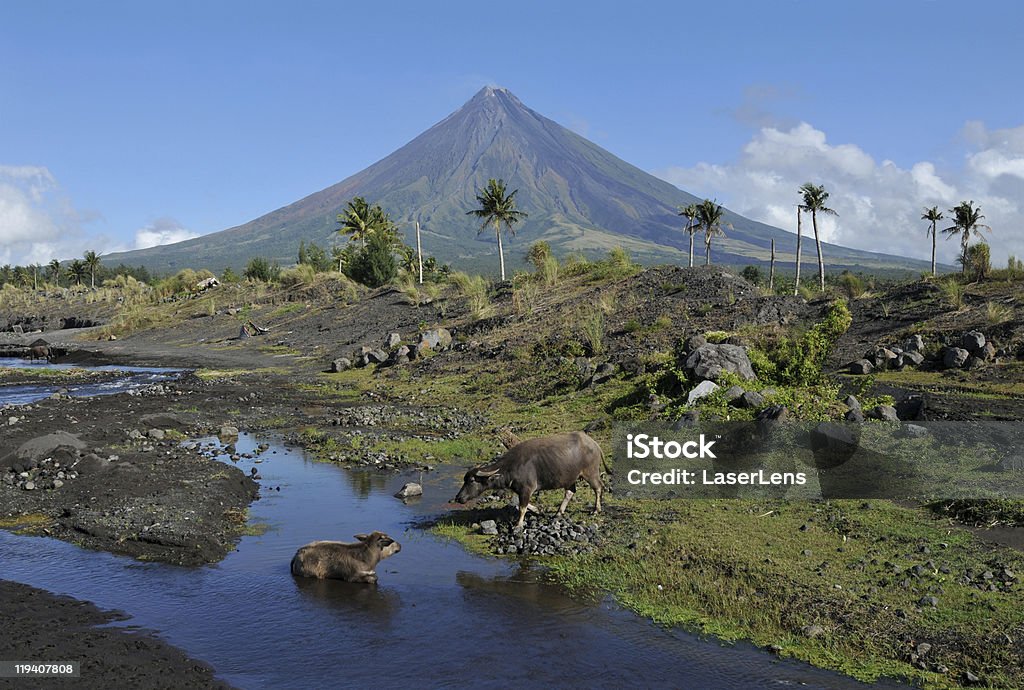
{"points": [[77, 270], [815, 197], [499, 208], [92, 261], [966, 219], [933, 215], [709, 217], [360, 219], [53, 269], [690, 213], [799, 239]]}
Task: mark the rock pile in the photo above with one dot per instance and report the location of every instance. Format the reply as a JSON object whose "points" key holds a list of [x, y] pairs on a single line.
{"points": [[47, 474], [541, 536], [392, 351], [972, 352]]}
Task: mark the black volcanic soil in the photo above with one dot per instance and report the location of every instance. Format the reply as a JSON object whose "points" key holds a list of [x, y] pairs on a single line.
{"points": [[42, 627]]}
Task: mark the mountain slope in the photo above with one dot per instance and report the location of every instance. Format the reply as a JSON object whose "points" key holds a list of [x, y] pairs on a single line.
{"points": [[579, 197]]}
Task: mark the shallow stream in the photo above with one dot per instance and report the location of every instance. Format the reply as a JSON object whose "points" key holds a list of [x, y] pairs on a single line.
{"points": [[439, 617]]}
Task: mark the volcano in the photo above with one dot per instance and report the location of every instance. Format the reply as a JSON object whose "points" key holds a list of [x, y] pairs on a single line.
{"points": [[579, 197]]}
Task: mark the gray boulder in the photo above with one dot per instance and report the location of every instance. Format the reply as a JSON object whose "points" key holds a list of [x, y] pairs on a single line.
{"points": [[341, 364], [884, 358], [392, 340], [972, 341], [974, 362], [987, 353], [854, 416], [711, 361], [861, 367], [751, 399], [733, 393], [852, 402], [955, 357], [886, 413], [437, 338], [376, 357], [701, 390], [43, 446], [914, 343], [604, 371], [913, 358]]}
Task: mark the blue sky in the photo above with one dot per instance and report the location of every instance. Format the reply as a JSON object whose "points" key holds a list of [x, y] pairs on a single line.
{"points": [[128, 123]]}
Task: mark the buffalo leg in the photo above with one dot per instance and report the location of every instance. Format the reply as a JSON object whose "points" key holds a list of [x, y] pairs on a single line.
{"points": [[594, 479], [524, 505], [565, 501], [367, 576]]}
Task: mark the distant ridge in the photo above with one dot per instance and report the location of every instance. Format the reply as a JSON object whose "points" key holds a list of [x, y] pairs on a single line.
{"points": [[579, 197]]}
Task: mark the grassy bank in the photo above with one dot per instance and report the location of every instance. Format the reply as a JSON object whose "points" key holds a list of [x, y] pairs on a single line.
{"points": [[841, 585]]}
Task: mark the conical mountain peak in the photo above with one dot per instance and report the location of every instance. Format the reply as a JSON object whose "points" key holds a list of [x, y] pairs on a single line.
{"points": [[579, 197]]}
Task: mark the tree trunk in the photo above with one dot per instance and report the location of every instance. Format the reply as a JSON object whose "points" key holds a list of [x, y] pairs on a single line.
{"points": [[707, 252], [963, 254], [796, 288], [817, 242], [93, 278], [419, 251], [691, 250], [501, 251], [771, 272], [933, 249]]}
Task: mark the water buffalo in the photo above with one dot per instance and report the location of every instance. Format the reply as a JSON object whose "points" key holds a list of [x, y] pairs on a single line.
{"points": [[549, 462], [39, 352], [338, 560]]}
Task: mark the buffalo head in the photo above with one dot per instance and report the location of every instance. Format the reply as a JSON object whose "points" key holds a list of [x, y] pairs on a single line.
{"points": [[478, 480]]}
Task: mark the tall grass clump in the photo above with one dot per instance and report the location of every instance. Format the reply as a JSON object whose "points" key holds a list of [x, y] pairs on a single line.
{"points": [[524, 295], [996, 313], [953, 292], [301, 274], [591, 330]]}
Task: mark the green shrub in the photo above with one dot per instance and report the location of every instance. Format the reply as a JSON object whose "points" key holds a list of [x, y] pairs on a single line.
{"points": [[260, 270], [374, 263]]}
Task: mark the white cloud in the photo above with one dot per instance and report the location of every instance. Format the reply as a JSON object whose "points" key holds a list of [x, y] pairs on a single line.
{"points": [[37, 222], [879, 204], [162, 231]]}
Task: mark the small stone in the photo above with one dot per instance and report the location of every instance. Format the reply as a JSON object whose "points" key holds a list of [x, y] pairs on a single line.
{"points": [[156, 434], [341, 364], [852, 402], [923, 648], [860, 367], [409, 489], [393, 340], [490, 527], [228, 432], [928, 601]]}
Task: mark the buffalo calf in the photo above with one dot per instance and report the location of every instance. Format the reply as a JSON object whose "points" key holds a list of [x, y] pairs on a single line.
{"points": [[338, 560]]}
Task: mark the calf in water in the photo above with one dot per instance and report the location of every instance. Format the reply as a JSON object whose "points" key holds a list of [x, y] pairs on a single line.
{"points": [[338, 560]]}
